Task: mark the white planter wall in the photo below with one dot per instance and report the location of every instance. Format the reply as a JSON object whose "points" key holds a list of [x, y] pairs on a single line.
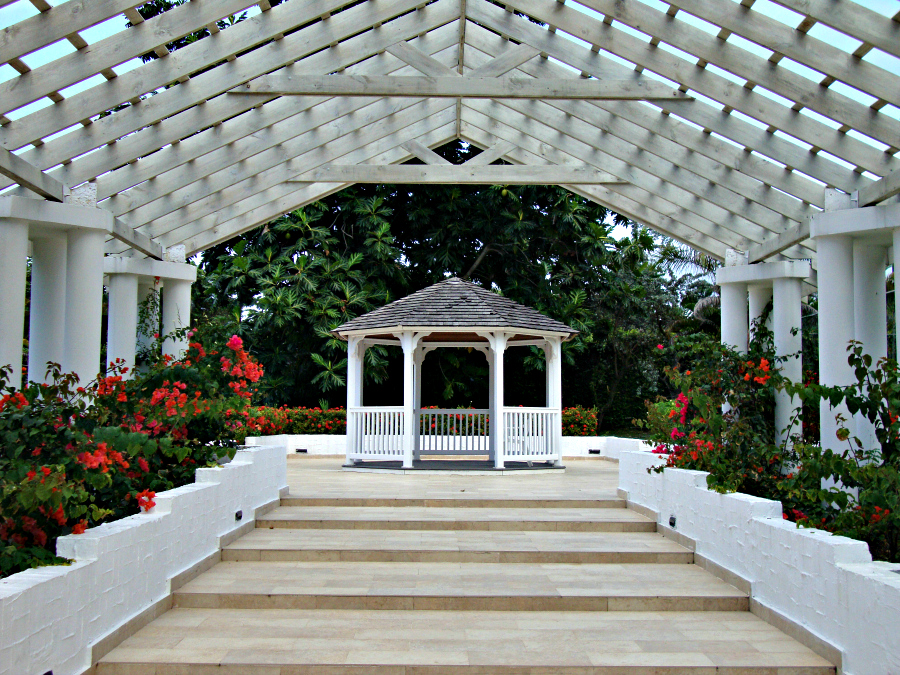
{"points": [[823, 583], [327, 444], [51, 616]]}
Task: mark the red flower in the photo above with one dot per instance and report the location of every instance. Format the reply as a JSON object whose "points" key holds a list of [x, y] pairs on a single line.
{"points": [[145, 499], [660, 347], [79, 527], [235, 343]]}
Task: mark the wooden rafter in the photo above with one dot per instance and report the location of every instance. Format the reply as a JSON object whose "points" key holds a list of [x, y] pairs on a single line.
{"points": [[417, 174]]}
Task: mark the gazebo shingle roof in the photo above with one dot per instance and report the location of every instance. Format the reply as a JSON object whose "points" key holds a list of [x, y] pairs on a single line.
{"points": [[455, 303]]}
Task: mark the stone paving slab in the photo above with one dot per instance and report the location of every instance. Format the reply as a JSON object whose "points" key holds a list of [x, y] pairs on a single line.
{"points": [[322, 479], [466, 586], [456, 546], [432, 642], [458, 518]]}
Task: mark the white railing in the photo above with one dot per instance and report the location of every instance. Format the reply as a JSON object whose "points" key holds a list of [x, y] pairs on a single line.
{"points": [[375, 432], [531, 434], [462, 431]]}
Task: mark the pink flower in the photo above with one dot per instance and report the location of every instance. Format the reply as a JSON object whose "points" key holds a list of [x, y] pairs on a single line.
{"points": [[660, 347], [234, 343]]}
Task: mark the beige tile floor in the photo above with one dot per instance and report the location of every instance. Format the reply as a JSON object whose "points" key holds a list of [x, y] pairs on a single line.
{"points": [[418, 583]]}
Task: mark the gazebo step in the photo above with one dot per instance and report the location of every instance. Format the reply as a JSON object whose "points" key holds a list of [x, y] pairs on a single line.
{"points": [[446, 518], [462, 587], [461, 501], [455, 546], [329, 642]]}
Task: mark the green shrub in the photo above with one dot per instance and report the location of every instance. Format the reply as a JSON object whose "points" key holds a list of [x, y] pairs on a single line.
{"points": [[74, 457], [579, 421]]}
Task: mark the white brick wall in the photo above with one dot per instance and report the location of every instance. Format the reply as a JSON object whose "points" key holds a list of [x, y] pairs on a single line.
{"points": [[826, 584], [50, 617]]}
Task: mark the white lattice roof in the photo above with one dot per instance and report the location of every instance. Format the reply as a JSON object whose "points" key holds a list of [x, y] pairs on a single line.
{"points": [[783, 98]]}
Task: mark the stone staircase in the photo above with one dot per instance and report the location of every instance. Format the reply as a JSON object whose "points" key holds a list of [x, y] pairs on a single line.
{"points": [[399, 586]]}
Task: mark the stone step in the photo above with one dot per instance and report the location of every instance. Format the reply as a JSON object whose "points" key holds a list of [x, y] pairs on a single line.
{"points": [[455, 546], [460, 501], [458, 518], [450, 586], [328, 642]]}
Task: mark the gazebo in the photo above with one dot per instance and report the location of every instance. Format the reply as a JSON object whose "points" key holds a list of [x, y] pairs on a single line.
{"points": [[454, 313]]}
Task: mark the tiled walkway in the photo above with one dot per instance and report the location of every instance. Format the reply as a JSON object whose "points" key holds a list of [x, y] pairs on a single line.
{"points": [[432, 574]]}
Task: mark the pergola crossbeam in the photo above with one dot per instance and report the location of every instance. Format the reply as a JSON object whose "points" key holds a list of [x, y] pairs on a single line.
{"points": [[459, 87], [431, 174], [29, 176]]}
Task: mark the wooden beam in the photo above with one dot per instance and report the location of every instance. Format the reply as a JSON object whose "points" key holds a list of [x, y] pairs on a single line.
{"points": [[424, 153], [136, 240], [510, 60], [676, 68], [492, 154], [880, 190], [456, 175], [779, 242], [853, 18], [29, 176], [460, 87], [424, 63]]}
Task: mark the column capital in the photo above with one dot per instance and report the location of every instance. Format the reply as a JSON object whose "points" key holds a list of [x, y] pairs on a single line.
{"points": [[147, 267], [763, 273], [875, 223]]}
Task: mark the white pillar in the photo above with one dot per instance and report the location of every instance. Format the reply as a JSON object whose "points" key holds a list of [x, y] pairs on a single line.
{"points": [[498, 428], [354, 395], [734, 311], [492, 413], [121, 319], [408, 341], [418, 359], [870, 316], [836, 327], [896, 261], [84, 302], [759, 297], [176, 311], [13, 261], [553, 352], [786, 316], [47, 322], [148, 293]]}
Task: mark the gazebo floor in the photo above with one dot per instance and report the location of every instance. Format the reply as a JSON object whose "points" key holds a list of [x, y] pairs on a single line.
{"points": [[434, 573], [445, 465]]}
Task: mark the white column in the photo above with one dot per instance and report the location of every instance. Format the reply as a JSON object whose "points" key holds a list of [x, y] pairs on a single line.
{"points": [[147, 293], [84, 302], [836, 327], [354, 394], [553, 352], [176, 311], [498, 346], [870, 316], [418, 359], [734, 311], [759, 297], [13, 260], [408, 342], [121, 319], [786, 316], [47, 322], [896, 261], [492, 413]]}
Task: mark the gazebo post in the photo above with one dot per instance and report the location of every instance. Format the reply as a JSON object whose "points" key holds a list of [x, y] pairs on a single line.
{"points": [[553, 355], [354, 393], [498, 430], [489, 355], [409, 341]]}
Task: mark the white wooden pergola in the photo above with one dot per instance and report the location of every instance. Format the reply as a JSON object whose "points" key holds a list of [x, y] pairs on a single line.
{"points": [[726, 125]]}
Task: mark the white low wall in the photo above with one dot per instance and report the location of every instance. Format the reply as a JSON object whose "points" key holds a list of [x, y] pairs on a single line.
{"points": [[50, 617], [328, 444], [825, 584]]}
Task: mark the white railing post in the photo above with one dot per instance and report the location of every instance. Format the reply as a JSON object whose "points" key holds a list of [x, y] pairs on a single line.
{"points": [[553, 429]]}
